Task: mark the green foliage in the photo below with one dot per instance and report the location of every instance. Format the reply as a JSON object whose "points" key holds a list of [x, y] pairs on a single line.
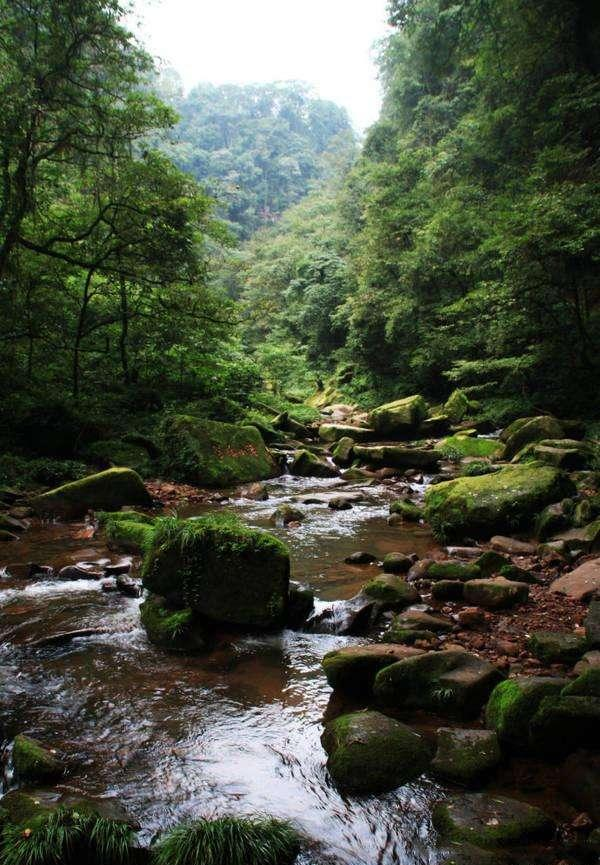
{"points": [[68, 837], [22, 473], [228, 841]]}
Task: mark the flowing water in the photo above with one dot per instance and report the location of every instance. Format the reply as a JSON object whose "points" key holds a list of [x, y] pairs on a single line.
{"points": [[234, 731]]}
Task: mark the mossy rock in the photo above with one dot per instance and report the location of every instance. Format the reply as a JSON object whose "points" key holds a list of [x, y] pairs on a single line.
{"points": [[585, 685], [452, 570], [397, 456], [448, 683], [335, 432], [396, 563], [465, 756], [114, 452], [32, 761], [563, 724], [490, 563], [370, 753], [214, 454], [408, 510], [352, 669], [557, 647], [401, 417], [526, 430], [566, 458], [457, 405], [105, 491], [410, 636], [178, 631], [129, 536], [516, 574], [469, 446], [417, 619], [512, 705], [343, 452], [308, 465], [391, 591], [490, 821], [496, 593], [21, 807], [585, 538], [447, 590], [301, 602], [222, 569], [501, 502]]}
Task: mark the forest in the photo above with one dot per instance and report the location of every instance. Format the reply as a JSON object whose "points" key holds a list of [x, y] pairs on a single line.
{"points": [[300, 448]]}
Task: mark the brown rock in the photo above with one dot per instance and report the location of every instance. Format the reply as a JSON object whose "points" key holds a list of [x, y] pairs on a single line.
{"points": [[512, 546], [581, 583], [471, 617]]}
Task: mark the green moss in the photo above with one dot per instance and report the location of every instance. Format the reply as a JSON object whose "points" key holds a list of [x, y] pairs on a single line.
{"points": [[526, 430], [129, 537], [124, 517], [469, 446], [496, 593], [21, 807], [33, 762], [308, 465], [369, 752], [490, 822], [397, 456], [490, 563], [453, 571], [512, 705], [352, 669], [408, 510], [409, 636], [504, 501], [335, 432], [556, 647], [465, 756], [114, 452], [209, 453], [107, 491], [343, 452], [565, 723], [456, 406], [391, 590], [175, 630], [224, 570], [401, 416], [585, 685]]}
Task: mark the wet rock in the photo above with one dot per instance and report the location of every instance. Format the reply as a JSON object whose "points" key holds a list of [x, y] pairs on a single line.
{"points": [[39, 571], [370, 753], [256, 492], [353, 668], [452, 570], [356, 474], [345, 618], [490, 821], [360, 558], [340, 503], [176, 630], [64, 637], [447, 590], [108, 491], [465, 756], [554, 518], [109, 585], [581, 583], [343, 452], [307, 465], [397, 456], [462, 853], [128, 586], [512, 546], [514, 702], [285, 514], [496, 593], [447, 683], [397, 563], [301, 603], [556, 647], [114, 570], [391, 592], [407, 510], [420, 638], [32, 761], [80, 571], [580, 780], [463, 552], [563, 724], [401, 417]]}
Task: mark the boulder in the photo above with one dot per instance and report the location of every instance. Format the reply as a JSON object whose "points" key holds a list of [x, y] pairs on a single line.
{"points": [[285, 514], [222, 569], [176, 630], [525, 430], [582, 539], [580, 780], [127, 531], [391, 592], [408, 510], [452, 570], [554, 518], [308, 465], [341, 503], [469, 446], [360, 558], [343, 452], [397, 563], [301, 603], [563, 724], [214, 454], [587, 684], [465, 756], [556, 647], [401, 417], [32, 761], [397, 456], [353, 668], [512, 546], [371, 753], [449, 683], [447, 590], [490, 562], [106, 491], [514, 702], [581, 583], [566, 458], [334, 432], [456, 406], [490, 821], [496, 593], [480, 506]]}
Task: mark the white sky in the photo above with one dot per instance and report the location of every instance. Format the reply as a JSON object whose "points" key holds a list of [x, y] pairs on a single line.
{"points": [[327, 43]]}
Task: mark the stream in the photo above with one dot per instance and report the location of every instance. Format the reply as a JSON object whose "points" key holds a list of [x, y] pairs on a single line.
{"points": [[235, 731]]}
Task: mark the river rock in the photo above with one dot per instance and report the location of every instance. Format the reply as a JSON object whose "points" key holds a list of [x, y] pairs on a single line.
{"points": [[308, 465], [496, 593], [512, 546], [529, 429], [370, 753], [407, 510], [301, 602], [176, 630], [80, 571], [360, 558], [580, 780], [285, 514], [464, 445], [397, 563], [556, 647], [581, 583], [583, 539], [391, 592], [12, 524], [479, 506], [465, 756], [222, 569], [335, 432], [589, 660], [343, 452], [563, 724], [346, 618], [129, 586], [397, 456], [401, 417], [490, 562], [418, 619], [106, 491], [447, 590], [449, 683], [514, 702], [340, 503], [32, 761], [128, 532], [490, 821], [353, 668], [452, 570], [457, 405]]}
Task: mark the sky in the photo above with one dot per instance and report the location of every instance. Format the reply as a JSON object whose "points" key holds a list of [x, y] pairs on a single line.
{"points": [[327, 43]]}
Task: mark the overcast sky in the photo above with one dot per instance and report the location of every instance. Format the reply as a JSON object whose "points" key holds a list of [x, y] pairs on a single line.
{"points": [[328, 43]]}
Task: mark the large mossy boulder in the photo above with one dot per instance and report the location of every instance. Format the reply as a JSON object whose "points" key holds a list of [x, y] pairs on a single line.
{"points": [[308, 465], [490, 821], [449, 683], [469, 446], [223, 570], [370, 753], [127, 531], [352, 669], [495, 593], [334, 432], [529, 429], [391, 592], [32, 761], [397, 456], [176, 630], [563, 724], [105, 491], [401, 417], [465, 756], [214, 454], [506, 500], [512, 705], [456, 406]]}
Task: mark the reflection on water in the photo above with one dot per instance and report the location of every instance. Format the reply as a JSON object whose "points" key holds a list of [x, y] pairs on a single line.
{"points": [[235, 731]]}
